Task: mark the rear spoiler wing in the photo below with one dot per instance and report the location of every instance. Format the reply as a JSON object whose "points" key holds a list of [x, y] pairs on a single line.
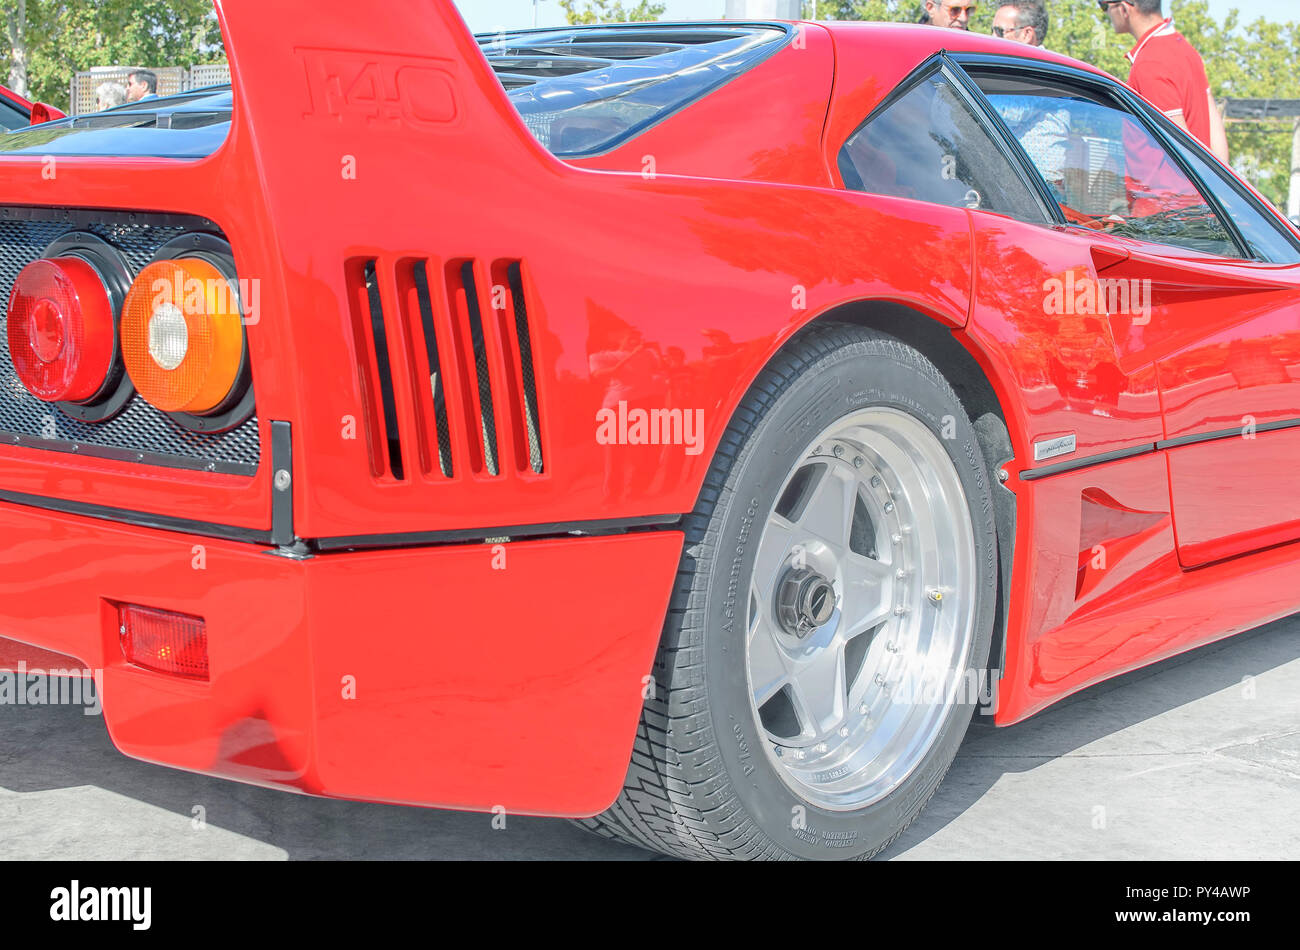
{"points": [[337, 101]]}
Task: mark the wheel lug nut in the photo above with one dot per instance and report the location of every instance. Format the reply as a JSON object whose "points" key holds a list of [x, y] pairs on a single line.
{"points": [[844, 732], [897, 538], [875, 481], [900, 574], [862, 710], [859, 462], [900, 610], [889, 507], [891, 646], [935, 595], [839, 451]]}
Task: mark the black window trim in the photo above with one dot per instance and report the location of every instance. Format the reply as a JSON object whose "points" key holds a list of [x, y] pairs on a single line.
{"points": [[980, 107], [1175, 135], [1007, 142], [1130, 103]]}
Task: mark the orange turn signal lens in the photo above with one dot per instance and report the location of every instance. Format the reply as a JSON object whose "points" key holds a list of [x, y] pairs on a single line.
{"points": [[182, 335]]}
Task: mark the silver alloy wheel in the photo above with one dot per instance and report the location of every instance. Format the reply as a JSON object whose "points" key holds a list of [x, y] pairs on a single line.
{"points": [[861, 609]]}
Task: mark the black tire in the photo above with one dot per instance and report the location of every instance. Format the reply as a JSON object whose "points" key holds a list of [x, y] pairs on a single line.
{"points": [[699, 785]]}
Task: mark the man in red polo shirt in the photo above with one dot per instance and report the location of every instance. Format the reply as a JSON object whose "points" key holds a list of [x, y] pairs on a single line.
{"points": [[1167, 71]]}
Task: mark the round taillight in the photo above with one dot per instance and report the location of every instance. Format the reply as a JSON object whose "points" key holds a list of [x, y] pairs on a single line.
{"points": [[60, 328], [183, 336]]}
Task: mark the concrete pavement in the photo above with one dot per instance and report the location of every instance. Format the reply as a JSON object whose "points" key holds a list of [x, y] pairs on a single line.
{"points": [[1197, 757]]}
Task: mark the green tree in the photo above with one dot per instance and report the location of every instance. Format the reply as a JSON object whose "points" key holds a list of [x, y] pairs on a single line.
{"points": [[47, 41], [890, 11], [610, 11], [26, 26]]}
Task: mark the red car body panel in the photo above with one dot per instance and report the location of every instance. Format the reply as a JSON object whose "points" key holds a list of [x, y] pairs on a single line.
{"points": [[772, 144], [26, 105], [669, 286], [353, 675], [13, 97]]}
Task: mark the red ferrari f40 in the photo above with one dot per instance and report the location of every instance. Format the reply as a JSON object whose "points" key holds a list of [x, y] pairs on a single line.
{"points": [[682, 428]]}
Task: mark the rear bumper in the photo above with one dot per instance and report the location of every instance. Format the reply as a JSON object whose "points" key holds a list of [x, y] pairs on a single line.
{"points": [[465, 676]]}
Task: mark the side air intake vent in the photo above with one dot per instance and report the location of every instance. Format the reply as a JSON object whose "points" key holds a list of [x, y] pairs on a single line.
{"points": [[446, 367]]}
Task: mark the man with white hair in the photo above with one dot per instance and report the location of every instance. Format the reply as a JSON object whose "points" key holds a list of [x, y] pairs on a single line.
{"points": [[109, 95]]}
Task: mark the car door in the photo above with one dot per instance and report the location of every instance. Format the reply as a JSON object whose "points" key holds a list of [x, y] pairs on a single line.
{"points": [[937, 139], [1196, 280]]}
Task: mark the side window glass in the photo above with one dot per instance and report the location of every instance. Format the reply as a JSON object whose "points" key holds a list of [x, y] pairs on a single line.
{"points": [[1105, 169], [11, 117], [930, 146], [1265, 237]]}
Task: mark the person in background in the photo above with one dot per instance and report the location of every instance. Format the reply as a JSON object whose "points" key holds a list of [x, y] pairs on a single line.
{"points": [[1167, 71], [1044, 132], [951, 14], [141, 84], [1022, 21], [109, 95]]}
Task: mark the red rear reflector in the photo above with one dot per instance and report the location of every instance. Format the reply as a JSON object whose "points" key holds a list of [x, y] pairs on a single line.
{"points": [[164, 642]]}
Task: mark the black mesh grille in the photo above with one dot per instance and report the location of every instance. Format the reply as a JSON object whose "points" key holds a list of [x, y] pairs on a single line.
{"points": [[141, 433]]}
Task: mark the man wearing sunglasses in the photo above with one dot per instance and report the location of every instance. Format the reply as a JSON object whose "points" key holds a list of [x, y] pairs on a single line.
{"points": [[1167, 71], [952, 14], [1044, 132], [1021, 21]]}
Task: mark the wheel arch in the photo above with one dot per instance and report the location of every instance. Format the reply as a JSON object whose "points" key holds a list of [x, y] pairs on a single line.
{"points": [[936, 339]]}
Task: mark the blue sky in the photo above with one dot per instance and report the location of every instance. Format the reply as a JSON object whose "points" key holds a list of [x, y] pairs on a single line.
{"points": [[485, 15]]}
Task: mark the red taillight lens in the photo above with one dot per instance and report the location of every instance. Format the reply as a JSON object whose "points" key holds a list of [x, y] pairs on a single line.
{"points": [[163, 641], [60, 327]]}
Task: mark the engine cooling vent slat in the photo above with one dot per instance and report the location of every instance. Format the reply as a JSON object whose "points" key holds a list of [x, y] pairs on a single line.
{"points": [[437, 391], [522, 368], [446, 362], [465, 291], [374, 370]]}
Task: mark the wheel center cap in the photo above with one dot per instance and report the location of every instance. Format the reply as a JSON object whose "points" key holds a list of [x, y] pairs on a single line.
{"points": [[805, 600]]}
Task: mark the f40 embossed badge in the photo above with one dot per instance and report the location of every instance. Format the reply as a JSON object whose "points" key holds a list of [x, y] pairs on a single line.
{"points": [[378, 90]]}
